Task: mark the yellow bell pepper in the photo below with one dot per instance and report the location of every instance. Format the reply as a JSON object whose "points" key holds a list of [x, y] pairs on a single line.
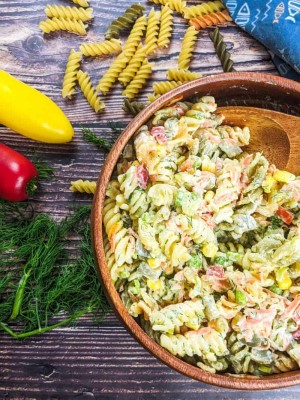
{"points": [[31, 113]]}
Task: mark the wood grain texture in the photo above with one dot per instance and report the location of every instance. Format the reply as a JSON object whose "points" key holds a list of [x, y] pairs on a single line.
{"points": [[91, 362]]}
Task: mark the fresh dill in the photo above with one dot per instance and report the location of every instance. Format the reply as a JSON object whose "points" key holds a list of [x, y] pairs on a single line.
{"points": [[47, 285], [90, 137]]}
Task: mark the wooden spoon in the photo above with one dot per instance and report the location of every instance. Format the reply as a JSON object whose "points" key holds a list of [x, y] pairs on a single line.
{"points": [[275, 134]]}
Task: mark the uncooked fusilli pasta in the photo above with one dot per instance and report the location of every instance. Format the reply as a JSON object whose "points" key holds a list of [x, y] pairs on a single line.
{"points": [[187, 48], [139, 80], [83, 186], [181, 75], [70, 78], [175, 5], [203, 9], [63, 24], [83, 14], [165, 30], [112, 74], [89, 91], [152, 31], [221, 50], [81, 3], [216, 18], [133, 66], [124, 21], [132, 107], [101, 48], [135, 36], [164, 87]]}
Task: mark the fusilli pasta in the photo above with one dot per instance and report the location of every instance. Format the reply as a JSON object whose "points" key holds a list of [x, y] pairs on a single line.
{"points": [[82, 14], [63, 24], [133, 66], [101, 48], [70, 78], [175, 5], [216, 18], [166, 26], [164, 87], [187, 48], [89, 91], [203, 9], [83, 186], [124, 21], [221, 50], [112, 74], [152, 31], [181, 75], [135, 36], [139, 80], [81, 3]]}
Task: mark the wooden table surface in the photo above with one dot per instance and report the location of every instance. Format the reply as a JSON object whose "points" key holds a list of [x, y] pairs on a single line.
{"points": [[89, 361]]}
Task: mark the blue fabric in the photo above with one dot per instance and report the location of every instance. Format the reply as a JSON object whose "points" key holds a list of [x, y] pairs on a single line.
{"points": [[276, 24]]}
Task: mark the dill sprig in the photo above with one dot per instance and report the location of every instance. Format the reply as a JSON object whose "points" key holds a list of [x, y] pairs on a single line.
{"points": [[90, 137], [44, 282]]}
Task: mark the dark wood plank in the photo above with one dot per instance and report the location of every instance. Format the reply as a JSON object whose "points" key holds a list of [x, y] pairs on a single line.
{"points": [[91, 362]]}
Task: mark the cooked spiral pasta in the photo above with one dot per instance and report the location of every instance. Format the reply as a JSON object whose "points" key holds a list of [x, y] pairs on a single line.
{"points": [[164, 87], [166, 26], [207, 244], [139, 80], [189, 313], [63, 24], [112, 74], [124, 21], [181, 75], [83, 186], [216, 18], [175, 5], [203, 9], [187, 47], [121, 242], [81, 3], [70, 78], [89, 91], [101, 48], [152, 31], [82, 14], [135, 36], [221, 50], [133, 66], [132, 107]]}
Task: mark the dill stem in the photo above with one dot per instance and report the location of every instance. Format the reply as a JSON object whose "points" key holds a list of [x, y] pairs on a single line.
{"points": [[45, 329], [20, 294]]}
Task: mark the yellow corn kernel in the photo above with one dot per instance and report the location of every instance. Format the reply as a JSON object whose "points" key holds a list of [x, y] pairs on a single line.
{"points": [[284, 176], [153, 262], [209, 250], [209, 196], [285, 284], [268, 184], [208, 166], [154, 284]]}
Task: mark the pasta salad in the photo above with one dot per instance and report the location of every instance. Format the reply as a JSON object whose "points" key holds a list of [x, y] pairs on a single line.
{"points": [[203, 243]]}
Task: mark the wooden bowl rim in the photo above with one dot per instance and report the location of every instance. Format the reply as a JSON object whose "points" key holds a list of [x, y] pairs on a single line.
{"points": [[263, 383]]}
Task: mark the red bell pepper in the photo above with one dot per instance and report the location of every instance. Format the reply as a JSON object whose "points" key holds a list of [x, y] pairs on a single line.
{"points": [[285, 215], [16, 174]]}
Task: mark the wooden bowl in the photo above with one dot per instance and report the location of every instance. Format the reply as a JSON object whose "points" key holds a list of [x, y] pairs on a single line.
{"points": [[251, 89]]}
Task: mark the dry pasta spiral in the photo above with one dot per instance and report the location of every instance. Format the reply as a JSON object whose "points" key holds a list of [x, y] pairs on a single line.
{"points": [[124, 21], [181, 75], [134, 65], [204, 21], [112, 74], [63, 24], [70, 78], [175, 5], [166, 25], [101, 48], [89, 91], [203, 9], [83, 14], [135, 36], [132, 107], [164, 87], [81, 3], [83, 186], [139, 80], [187, 48], [152, 31], [221, 50]]}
